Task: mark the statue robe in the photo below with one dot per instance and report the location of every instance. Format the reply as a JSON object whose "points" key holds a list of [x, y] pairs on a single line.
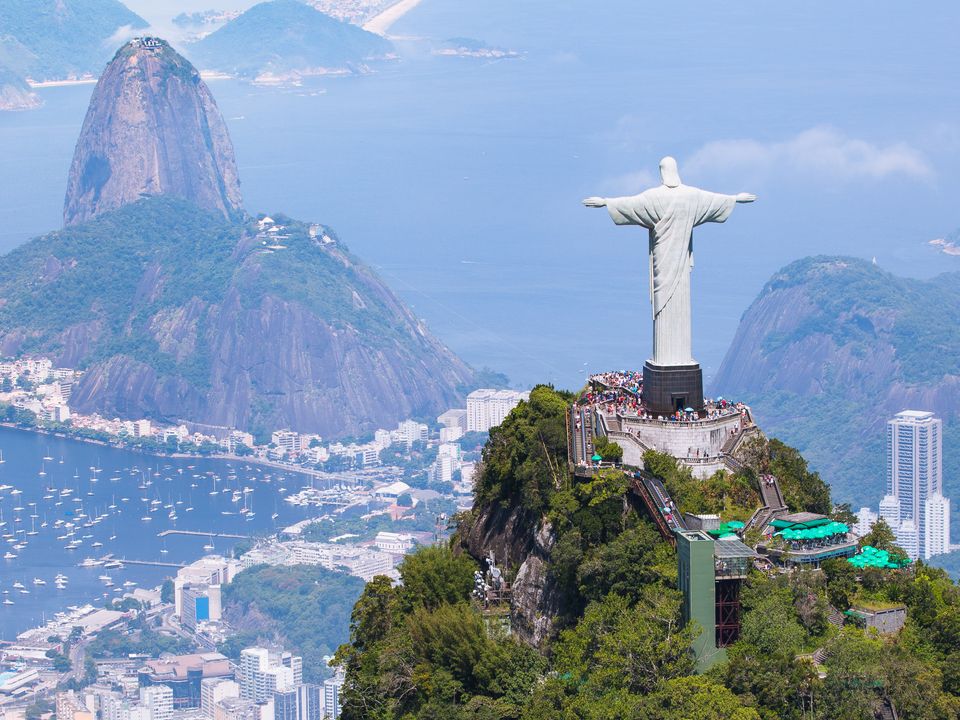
{"points": [[670, 214]]}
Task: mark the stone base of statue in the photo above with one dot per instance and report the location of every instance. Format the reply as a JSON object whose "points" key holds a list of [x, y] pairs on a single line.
{"points": [[668, 389]]}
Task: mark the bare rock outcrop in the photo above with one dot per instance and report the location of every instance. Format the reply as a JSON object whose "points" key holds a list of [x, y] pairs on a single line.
{"points": [[521, 545], [152, 128]]}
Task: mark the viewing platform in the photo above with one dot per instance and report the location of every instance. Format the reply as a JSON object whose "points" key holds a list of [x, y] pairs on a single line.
{"points": [[704, 440]]}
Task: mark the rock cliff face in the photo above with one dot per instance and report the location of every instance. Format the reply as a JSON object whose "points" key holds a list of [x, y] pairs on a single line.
{"points": [[832, 348], [181, 316], [518, 544], [152, 128], [181, 308]]}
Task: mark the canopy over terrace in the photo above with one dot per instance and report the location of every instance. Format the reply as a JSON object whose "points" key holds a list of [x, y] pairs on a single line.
{"points": [[873, 557], [800, 521]]}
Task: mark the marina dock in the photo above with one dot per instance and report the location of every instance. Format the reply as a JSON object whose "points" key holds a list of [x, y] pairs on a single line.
{"points": [[197, 533]]}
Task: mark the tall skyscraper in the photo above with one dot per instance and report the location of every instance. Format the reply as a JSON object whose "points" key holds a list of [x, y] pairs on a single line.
{"points": [[914, 471], [285, 705], [331, 696], [309, 702], [937, 537]]}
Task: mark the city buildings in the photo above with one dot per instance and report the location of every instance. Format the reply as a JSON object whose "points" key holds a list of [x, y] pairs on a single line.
{"points": [[235, 708], [199, 603], [157, 700], [182, 675], [71, 707], [487, 408], [303, 703], [213, 690], [332, 688], [207, 572], [937, 531], [914, 477], [264, 672], [865, 520], [393, 543], [288, 440]]}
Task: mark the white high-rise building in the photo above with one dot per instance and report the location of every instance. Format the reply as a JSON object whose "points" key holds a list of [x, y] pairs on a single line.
{"points": [[411, 431], [263, 673], [937, 532], [487, 408], [914, 466], [332, 687], [908, 537], [213, 690], [253, 661], [865, 520], [158, 700], [890, 511]]}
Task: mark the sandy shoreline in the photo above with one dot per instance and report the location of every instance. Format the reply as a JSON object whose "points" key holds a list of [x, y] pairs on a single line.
{"points": [[381, 23], [61, 83], [245, 459]]}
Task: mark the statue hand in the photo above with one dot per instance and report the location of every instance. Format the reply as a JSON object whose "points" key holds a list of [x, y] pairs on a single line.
{"points": [[595, 202], [746, 197]]}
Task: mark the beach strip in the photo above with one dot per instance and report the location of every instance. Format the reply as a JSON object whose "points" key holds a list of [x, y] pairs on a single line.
{"points": [[381, 23]]}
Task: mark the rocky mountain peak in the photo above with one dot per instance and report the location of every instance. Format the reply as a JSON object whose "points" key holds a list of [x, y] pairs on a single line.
{"points": [[152, 128]]}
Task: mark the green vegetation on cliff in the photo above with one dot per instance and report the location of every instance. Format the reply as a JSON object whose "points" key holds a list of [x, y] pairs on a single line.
{"points": [[51, 39], [616, 649], [833, 347], [420, 650], [304, 608], [146, 297]]}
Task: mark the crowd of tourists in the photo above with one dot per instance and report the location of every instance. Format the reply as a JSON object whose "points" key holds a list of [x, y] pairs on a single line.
{"points": [[620, 393]]}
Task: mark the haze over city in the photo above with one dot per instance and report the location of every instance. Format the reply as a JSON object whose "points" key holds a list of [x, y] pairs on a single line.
{"points": [[378, 359]]}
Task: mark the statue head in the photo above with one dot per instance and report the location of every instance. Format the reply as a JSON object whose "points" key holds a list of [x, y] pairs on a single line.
{"points": [[669, 174]]}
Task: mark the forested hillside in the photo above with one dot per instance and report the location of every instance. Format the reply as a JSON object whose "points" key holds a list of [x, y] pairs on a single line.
{"points": [[611, 645]]}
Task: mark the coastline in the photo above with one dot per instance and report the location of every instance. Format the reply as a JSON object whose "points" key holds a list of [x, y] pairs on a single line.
{"points": [[248, 459], [61, 83], [381, 23]]}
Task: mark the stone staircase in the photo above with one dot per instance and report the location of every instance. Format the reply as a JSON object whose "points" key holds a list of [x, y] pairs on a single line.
{"points": [[773, 504], [887, 711], [821, 655], [835, 618]]}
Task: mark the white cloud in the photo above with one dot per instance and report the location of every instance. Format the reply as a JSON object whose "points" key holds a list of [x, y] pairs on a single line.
{"points": [[121, 35], [629, 183], [821, 151]]}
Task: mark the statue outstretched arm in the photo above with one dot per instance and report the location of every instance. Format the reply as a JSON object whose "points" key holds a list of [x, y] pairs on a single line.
{"points": [[743, 197], [595, 202]]}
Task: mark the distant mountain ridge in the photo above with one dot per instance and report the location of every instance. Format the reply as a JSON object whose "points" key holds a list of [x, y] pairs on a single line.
{"points": [[832, 348], [15, 94], [281, 37], [58, 39]]}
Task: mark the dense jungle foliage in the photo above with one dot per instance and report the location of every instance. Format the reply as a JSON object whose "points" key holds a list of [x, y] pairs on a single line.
{"points": [[423, 649]]}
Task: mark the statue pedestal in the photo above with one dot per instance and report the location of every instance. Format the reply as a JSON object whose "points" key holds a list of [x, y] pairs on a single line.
{"points": [[667, 389]]}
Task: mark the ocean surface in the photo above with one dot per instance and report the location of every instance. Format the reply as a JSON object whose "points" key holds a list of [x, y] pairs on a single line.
{"points": [[49, 482], [460, 179]]}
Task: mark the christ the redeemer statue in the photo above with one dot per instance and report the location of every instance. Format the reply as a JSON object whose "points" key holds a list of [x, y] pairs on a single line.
{"points": [[670, 212]]}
